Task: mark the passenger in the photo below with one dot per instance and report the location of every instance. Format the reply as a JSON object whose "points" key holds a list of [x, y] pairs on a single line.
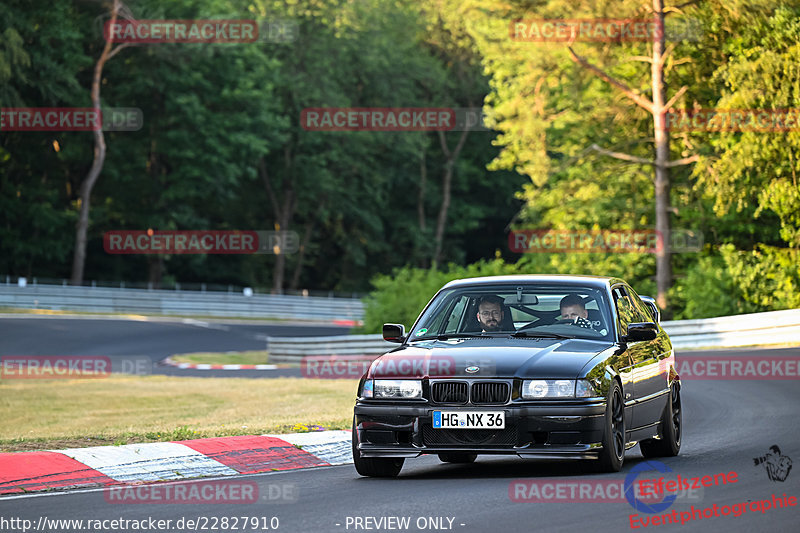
{"points": [[574, 310]]}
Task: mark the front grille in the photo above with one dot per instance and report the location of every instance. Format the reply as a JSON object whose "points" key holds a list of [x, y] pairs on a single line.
{"points": [[489, 392], [469, 437], [449, 392]]}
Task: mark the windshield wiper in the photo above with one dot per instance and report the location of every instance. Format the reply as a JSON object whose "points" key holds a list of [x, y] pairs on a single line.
{"points": [[447, 336], [531, 335]]}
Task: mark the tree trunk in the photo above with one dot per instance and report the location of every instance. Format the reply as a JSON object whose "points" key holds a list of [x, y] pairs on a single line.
{"points": [[422, 257], [657, 107], [85, 191], [283, 214], [423, 182], [301, 253], [447, 179], [662, 184], [155, 270]]}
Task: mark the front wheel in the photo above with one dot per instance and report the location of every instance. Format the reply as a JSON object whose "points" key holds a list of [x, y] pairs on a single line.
{"points": [[671, 428], [613, 453], [374, 466]]}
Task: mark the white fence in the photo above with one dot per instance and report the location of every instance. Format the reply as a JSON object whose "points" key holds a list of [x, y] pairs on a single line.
{"points": [[774, 327], [179, 303]]}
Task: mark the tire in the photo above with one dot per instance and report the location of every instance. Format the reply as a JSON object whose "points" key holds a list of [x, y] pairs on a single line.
{"points": [[375, 466], [613, 453], [459, 458], [669, 445]]}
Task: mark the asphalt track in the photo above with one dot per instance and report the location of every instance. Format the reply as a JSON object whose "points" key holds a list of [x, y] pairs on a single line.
{"points": [[726, 425], [156, 339]]}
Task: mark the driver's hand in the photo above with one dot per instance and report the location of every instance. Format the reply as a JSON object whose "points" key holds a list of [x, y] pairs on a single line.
{"points": [[582, 322]]}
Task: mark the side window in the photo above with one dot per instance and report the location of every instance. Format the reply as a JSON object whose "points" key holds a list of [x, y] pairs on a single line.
{"points": [[439, 314], [625, 310], [456, 315], [642, 313]]}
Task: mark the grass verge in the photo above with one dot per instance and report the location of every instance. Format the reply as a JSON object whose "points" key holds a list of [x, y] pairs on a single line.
{"points": [[53, 414]]}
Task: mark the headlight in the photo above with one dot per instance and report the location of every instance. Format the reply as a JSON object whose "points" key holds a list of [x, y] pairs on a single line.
{"points": [[403, 389], [537, 389]]}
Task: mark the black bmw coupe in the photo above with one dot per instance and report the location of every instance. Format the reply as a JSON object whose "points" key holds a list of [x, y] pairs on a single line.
{"points": [[557, 367]]}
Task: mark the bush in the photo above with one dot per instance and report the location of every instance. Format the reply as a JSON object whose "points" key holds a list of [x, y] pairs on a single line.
{"points": [[400, 297], [707, 291], [767, 277], [717, 283]]}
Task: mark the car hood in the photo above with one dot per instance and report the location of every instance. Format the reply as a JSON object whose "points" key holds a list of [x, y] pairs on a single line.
{"points": [[493, 357]]}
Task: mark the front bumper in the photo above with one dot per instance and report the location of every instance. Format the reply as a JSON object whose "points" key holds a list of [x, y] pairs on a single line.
{"points": [[543, 431]]}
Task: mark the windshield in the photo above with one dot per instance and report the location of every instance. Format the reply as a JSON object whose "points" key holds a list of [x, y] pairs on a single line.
{"points": [[532, 309]]}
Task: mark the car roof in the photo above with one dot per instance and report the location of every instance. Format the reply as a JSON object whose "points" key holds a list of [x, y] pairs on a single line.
{"points": [[584, 281]]}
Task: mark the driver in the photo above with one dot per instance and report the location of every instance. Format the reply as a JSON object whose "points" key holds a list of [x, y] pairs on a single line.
{"points": [[490, 313], [574, 310]]}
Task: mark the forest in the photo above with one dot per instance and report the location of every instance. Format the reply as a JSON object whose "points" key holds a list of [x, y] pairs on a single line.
{"points": [[578, 133]]}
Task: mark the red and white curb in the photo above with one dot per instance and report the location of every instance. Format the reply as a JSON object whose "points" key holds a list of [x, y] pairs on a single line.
{"points": [[101, 466], [199, 366]]}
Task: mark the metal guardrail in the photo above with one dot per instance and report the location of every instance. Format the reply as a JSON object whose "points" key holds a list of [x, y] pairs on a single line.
{"points": [[179, 303], [292, 349], [774, 327]]}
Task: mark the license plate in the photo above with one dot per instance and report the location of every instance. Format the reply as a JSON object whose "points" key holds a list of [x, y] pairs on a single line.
{"points": [[469, 420]]}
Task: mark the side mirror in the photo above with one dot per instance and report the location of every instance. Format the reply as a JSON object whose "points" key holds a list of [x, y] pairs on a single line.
{"points": [[641, 331], [651, 305], [394, 332]]}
